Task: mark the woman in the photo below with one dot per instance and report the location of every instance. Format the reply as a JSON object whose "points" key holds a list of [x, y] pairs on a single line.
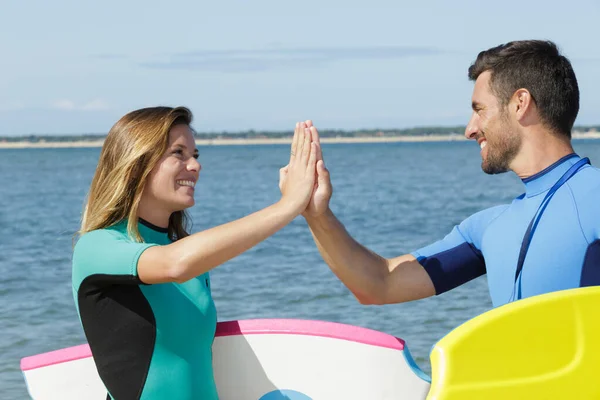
{"points": [[140, 280]]}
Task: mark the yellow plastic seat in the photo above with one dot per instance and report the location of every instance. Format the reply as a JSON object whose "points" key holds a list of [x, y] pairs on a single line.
{"points": [[542, 347]]}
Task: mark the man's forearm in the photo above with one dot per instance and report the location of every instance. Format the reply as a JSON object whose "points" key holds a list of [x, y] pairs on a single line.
{"points": [[360, 269]]}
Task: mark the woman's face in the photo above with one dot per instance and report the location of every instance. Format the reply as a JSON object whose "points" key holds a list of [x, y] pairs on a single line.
{"points": [[171, 183]]}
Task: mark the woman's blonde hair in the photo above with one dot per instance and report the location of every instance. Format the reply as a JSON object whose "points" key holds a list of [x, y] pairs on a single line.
{"points": [[132, 148]]}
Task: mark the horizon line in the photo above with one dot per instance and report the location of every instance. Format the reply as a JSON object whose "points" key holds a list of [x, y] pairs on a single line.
{"points": [[422, 128]]}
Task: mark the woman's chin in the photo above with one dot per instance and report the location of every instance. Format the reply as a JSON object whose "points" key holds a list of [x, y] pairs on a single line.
{"points": [[182, 204], [190, 202]]}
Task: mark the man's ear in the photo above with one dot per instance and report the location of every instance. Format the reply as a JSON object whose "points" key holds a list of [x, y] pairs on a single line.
{"points": [[522, 104]]}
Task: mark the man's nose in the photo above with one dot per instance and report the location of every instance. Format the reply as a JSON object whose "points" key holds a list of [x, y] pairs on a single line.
{"points": [[472, 129]]}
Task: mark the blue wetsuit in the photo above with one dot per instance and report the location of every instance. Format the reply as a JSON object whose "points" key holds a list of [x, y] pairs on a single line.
{"points": [[564, 252]]}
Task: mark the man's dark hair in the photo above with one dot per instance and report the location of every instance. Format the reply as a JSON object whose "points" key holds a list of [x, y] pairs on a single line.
{"points": [[537, 66]]}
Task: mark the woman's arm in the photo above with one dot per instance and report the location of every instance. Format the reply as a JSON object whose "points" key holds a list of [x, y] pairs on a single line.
{"points": [[200, 252]]}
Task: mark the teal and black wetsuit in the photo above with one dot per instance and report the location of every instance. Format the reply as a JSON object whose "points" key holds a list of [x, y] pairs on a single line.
{"points": [[148, 341]]}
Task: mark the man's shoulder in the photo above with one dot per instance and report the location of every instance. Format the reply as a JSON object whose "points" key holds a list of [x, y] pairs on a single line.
{"points": [[489, 214], [585, 188], [476, 224], [586, 177]]}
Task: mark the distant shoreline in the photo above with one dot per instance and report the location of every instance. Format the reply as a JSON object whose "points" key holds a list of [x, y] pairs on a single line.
{"points": [[261, 141], [242, 141]]}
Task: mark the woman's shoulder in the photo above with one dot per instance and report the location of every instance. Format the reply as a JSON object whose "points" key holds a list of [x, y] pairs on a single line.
{"points": [[100, 237]]}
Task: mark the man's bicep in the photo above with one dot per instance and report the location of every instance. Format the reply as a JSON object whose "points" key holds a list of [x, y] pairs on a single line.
{"points": [[445, 264], [590, 273], [407, 281], [451, 261]]}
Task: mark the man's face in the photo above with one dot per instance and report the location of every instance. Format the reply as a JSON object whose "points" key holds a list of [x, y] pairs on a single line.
{"points": [[491, 126]]}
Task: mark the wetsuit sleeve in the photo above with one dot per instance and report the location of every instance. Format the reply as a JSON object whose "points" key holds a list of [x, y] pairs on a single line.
{"points": [[590, 273], [457, 258], [107, 255], [588, 210]]}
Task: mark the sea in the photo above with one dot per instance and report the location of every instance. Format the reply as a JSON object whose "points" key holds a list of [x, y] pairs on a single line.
{"points": [[391, 197]]}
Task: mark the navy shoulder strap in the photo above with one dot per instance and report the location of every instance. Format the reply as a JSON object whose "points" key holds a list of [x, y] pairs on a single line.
{"points": [[536, 219]]}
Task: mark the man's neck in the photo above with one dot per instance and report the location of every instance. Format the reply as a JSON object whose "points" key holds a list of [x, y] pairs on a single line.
{"points": [[538, 153]]}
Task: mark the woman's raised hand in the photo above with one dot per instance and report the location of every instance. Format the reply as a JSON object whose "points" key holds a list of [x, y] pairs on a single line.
{"points": [[297, 179]]}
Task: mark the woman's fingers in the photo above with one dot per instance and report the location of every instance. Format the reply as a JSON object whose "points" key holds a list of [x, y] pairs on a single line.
{"points": [[282, 176], [299, 142], [294, 143]]}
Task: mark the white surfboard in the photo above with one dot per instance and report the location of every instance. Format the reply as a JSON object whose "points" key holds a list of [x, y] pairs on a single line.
{"points": [[264, 360]]}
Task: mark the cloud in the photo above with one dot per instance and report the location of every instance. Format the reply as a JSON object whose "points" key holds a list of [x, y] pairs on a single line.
{"points": [[267, 59], [63, 105], [68, 105], [95, 105], [110, 56]]}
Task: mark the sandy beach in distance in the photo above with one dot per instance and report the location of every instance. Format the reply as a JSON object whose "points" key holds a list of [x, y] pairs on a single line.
{"points": [[262, 141]]}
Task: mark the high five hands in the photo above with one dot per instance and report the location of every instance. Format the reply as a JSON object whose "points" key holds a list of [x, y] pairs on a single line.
{"points": [[318, 202]]}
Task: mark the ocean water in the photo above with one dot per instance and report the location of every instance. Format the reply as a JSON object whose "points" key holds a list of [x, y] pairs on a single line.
{"points": [[393, 198]]}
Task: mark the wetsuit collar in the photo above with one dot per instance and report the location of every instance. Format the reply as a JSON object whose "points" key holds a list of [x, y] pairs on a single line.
{"points": [[543, 180], [152, 226], [152, 233]]}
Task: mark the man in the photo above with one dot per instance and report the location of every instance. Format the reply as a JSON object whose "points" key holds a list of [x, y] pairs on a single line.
{"points": [[525, 101]]}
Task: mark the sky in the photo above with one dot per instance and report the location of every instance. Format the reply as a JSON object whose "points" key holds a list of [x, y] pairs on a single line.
{"points": [[72, 67]]}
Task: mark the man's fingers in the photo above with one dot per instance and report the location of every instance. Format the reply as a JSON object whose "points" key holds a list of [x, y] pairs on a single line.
{"points": [[319, 152], [322, 173], [306, 148], [315, 135], [312, 160]]}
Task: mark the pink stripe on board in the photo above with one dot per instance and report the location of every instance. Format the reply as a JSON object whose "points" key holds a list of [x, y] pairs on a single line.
{"points": [[56, 357], [246, 327], [332, 330]]}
